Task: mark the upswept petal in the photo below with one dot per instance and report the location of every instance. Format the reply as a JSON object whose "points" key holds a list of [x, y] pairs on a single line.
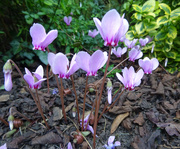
{"points": [[110, 24], [124, 50], [70, 19], [111, 140], [82, 60], [51, 57], [27, 71], [105, 60], [131, 75], [119, 52], [110, 95], [38, 33], [66, 20], [155, 63], [49, 38], [37, 76], [139, 54], [138, 77], [90, 128], [96, 61], [60, 64], [30, 80], [98, 25], [69, 146], [73, 67], [120, 77], [7, 81], [39, 71]]}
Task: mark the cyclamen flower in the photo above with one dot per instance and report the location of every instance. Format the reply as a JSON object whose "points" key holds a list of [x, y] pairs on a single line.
{"points": [[134, 54], [148, 65], [130, 44], [120, 51], [93, 33], [152, 48], [67, 20], [112, 27], [7, 70], [91, 64], [89, 127], [36, 79], [143, 42], [40, 39], [60, 64], [130, 78], [112, 145]]}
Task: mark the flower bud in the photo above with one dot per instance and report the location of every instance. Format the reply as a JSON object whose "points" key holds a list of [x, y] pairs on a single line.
{"points": [[74, 111], [10, 120], [109, 89], [7, 67]]}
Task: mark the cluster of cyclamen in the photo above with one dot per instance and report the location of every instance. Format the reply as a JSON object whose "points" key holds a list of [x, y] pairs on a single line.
{"points": [[112, 28]]}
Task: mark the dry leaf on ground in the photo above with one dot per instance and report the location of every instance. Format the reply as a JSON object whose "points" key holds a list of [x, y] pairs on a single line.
{"points": [[117, 121]]}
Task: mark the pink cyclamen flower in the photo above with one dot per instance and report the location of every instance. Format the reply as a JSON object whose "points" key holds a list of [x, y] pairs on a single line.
{"points": [[93, 33], [130, 44], [69, 146], [148, 65], [134, 54], [67, 20], [89, 127], [130, 78], [36, 79], [7, 69], [40, 39], [143, 42], [112, 27], [112, 145], [60, 64], [91, 64], [119, 52]]}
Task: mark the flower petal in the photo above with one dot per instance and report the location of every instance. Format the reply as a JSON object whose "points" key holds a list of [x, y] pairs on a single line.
{"points": [[40, 71], [38, 33], [110, 24], [97, 61], [69, 146], [138, 77], [49, 38], [90, 128], [111, 140], [82, 60], [27, 71], [51, 57], [73, 66], [155, 63], [38, 83], [117, 143], [120, 77], [60, 64], [30, 80], [98, 25], [7, 81]]}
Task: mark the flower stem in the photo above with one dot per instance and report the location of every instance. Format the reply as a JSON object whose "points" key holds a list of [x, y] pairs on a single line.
{"points": [[61, 95], [40, 109], [98, 102], [20, 73], [4, 121], [84, 103], [47, 71], [72, 79]]}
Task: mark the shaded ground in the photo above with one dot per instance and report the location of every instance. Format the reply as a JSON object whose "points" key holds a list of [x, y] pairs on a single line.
{"points": [[150, 115]]}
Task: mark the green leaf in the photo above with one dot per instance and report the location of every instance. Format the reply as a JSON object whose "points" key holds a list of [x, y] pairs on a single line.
{"points": [[167, 47], [172, 32], [148, 6], [166, 8], [162, 20], [172, 69], [2, 32], [161, 35], [42, 56], [137, 8], [67, 50], [15, 46], [151, 26], [130, 35], [171, 55], [151, 14], [138, 15], [48, 2], [140, 28], [177, 58], [175, 13]]}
